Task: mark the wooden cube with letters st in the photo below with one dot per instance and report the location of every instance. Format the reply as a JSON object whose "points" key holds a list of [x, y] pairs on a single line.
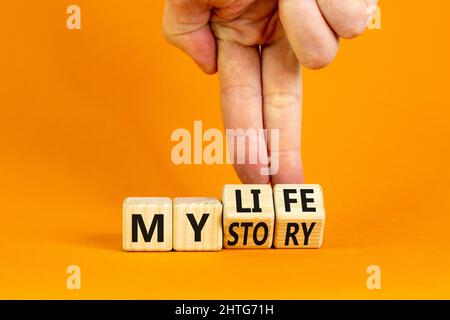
{"points": [[299, 216], [248, 216], [147, 224], [197, 224]]}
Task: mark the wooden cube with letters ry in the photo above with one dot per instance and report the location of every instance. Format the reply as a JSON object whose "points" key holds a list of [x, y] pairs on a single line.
{"points": [[248, 216], [299, 216], [147, 224], [197, 224]]}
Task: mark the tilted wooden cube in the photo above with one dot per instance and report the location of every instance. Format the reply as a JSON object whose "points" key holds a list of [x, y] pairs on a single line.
{"points": [[248, 216], [147, 224], [299, 216], [197, 224]]}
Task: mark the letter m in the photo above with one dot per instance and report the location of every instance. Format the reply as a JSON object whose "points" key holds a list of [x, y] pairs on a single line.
{"points": [[138, 221]]}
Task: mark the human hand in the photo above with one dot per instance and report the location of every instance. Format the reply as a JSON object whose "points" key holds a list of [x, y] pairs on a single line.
{"points": [[257, 46]]}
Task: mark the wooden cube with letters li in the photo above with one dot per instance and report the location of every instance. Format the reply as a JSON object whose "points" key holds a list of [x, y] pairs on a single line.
{"points": [[299, 216], [248, 216], [147, 224], [197, 224]]}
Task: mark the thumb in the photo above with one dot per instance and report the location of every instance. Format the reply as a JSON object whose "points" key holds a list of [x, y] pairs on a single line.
{"points": [[186, 26]]}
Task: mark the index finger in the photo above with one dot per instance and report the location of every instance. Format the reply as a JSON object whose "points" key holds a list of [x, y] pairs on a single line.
{"points": [[240, 82], [282, 101]]}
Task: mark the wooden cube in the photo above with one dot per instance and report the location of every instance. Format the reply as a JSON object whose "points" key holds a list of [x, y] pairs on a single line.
{"points": [[248, 216], [147, 224], [197, 224], [299, 216]]}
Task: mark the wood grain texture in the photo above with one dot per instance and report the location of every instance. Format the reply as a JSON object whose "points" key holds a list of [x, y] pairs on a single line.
{"points": [[299, 223], [197, 224], [147, 208], [246, 223]]}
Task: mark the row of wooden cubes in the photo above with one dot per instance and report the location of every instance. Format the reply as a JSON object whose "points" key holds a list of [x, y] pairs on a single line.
{"points": [[252, 216]]}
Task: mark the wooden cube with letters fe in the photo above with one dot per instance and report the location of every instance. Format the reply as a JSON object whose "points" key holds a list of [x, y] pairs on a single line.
{"points": [[299, 216]]}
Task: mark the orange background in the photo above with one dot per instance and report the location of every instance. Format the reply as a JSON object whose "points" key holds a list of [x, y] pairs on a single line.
{"points": [[86, 118]]}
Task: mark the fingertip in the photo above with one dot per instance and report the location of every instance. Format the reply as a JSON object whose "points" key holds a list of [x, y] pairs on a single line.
{"points": [[288, 179], [210, 71], [314, 42], [208, 68], [290, 170], [348, 18], [249, 175], [319, 59]]}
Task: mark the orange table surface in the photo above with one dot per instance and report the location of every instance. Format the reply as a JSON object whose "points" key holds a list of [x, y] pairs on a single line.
{"points": [[86, 118]]}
